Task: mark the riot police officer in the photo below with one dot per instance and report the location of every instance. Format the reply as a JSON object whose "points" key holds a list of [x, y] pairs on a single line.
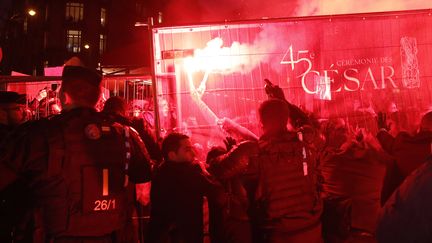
{"points": [[78, 165], [13, 220], [12, 107]]}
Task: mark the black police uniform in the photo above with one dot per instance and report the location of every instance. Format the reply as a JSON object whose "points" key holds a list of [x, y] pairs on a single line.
{"points": [[79, 166], [9, 97], [12, 217]]}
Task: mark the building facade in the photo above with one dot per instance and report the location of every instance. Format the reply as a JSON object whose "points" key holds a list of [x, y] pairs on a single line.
{"points": [[60, 29]]}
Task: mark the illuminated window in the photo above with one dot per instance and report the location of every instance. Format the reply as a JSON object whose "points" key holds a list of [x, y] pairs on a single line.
{"points": [[74, 12], [103, 16], [74, 41], [102, 44]]}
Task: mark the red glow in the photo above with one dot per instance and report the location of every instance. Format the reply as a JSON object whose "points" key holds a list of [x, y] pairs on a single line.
{"points": [[349, 67]]}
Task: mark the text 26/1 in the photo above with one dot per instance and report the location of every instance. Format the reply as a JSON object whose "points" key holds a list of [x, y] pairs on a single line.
{"points": [[104, 205]]}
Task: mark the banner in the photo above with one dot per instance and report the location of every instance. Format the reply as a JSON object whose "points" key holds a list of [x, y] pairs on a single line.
{"points": [[337, 66]]}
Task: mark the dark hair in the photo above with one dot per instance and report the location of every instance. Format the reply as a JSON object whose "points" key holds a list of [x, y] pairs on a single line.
{"points": [[115, 104], [214, 153], [274, 111], [171, 143], [332, 125], [426, 122], [10, 97], [82, 92]]}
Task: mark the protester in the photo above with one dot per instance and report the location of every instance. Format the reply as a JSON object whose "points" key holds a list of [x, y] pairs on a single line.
{"points": [[408, 151], [352, 167], [286, 206], [177, 192]]}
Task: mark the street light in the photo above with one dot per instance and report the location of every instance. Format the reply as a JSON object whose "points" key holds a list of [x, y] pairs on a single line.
{"points": [[86, 46], [31, 12]]}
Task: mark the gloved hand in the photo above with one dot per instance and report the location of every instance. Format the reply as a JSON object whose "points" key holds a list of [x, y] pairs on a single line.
{"points": [[273, 91]]}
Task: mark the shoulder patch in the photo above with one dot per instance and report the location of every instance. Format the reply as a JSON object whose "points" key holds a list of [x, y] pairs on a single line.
{"points": [[92, 131]]}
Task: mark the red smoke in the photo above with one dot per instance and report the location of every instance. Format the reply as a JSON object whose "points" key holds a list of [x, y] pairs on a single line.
{"points": [[198, 11]]}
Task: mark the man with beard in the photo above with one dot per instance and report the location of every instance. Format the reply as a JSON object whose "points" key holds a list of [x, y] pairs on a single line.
{"points": [[178, 188]]}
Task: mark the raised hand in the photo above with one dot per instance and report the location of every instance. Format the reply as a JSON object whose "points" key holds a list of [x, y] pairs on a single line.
{"points": [[229, 143], [273, 91]]}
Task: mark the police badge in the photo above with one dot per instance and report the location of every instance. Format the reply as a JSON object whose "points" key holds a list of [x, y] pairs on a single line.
{"points": [[92, 131]]}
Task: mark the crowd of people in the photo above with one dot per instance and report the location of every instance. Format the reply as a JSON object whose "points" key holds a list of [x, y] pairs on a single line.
{"points": [[84, 175]]}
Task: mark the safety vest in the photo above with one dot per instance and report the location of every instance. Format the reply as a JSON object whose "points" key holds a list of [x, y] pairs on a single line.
{"points": [[287, 190], [85, 192]]}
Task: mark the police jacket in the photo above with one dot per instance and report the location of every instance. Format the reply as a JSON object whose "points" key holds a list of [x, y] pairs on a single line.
{"points": [[78, 165], [4, 131]]}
